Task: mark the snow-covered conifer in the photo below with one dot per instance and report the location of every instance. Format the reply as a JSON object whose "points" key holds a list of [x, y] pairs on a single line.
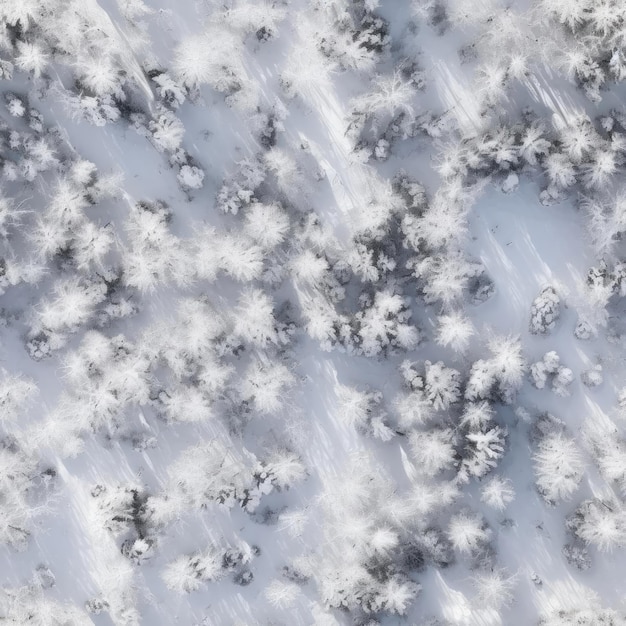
{"points": [[433, 450], [356, 408], [533, 144], [494, 588], [155, 256], [545, 311], [593, 376], [442, 385], [190, 176], [267, 224], [285, 468], [211, 57], [31, 57], [455, 330], [468, 532], [476, 415], [255, 322], [600, 523], [413, 409], [204, 473], [386, 323], [187, 573], [19, 490], [168, 90], [16, 393], [481, 381], [266, 386], [558, 467], [598, 172], [240, 257], [396, 595], [498, 492], [577, 555], [166, 131], [185, 403], [445, 278], [91, 244], [72, 304], [508, 365], [560, 170], [549, 369], [483, 450], [282, 594]]}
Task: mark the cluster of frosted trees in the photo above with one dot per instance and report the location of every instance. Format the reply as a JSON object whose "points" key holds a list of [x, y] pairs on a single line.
{"points": [[81, 261]]}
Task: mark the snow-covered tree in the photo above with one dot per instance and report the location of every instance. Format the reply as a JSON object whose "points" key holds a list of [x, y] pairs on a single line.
{"points": [[468, 533], [155, 256], [593, 376], [494, 588], [205, 473], [31, 603], [267, 224], [533, 145], [190, 176], [362, 410], [187, 573], [558, 467], [121, 508], [211, 57], [545, 311], [413, 409], [239, 190], [442, 385], [240, 257], [608, 448], [577, 555], [166, 130], [455, 330], [184, 403], [606, 221], [168, 90], [19, 490], [445, 278], [483, 450], [72, 304], [508, 365], [16, 394], [433, 450], [549, 369], [481, 381], [255, 322], [395, 595], [285, 468], [476, 415], [385, 324], [498, 492], [382, 114], [282, 594], [266, 386], [599, 523]]}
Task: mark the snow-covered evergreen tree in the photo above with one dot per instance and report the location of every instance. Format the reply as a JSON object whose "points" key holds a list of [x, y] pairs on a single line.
{"points": [[558, 467], [545, 311]]}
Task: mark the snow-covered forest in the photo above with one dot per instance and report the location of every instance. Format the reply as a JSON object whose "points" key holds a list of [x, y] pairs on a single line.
{"points": [[313, 312]]}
